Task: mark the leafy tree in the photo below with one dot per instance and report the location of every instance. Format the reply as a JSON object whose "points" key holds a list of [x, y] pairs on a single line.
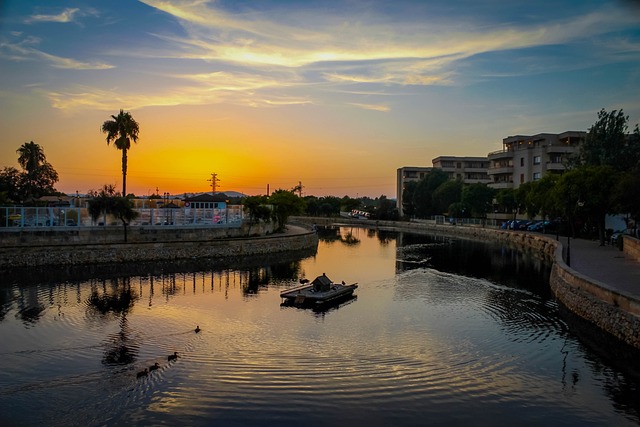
{"points": [[586, 192], [329, 206], [408, 206], [257, 209], [446, 194], [525, 197], [459, 210], [108, 201], [347, 204], [423, 195], [38, 177], [121, 131], [542, 196], [626, 194], [507, 200], [285, 203], [10, 179], [386, 209], [607, 142], [478, 197]]}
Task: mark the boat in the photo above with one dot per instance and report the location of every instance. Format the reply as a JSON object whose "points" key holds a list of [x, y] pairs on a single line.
{"points": [[321, 292]]}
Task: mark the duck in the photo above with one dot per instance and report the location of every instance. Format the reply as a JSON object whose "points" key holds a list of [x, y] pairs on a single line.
{"points": [[142, 373], [173, 356], [198, 329], [304, 281], [154, 367]]}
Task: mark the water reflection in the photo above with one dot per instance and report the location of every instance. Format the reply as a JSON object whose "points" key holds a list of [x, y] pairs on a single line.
{"points": [[444, 330]]}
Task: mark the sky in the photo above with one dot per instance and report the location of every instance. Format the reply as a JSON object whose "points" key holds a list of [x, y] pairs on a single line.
{"points": [[335, 95]]}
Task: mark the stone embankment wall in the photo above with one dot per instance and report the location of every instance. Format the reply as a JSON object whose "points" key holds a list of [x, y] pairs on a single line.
{"points": [[166, 245], [615, 312], [631, 247], [52, 236]]}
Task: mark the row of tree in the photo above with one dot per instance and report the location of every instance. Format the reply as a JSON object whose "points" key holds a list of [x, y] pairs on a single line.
{"points": [[602, 178]]}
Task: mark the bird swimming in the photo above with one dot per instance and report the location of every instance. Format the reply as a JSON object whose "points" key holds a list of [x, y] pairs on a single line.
{"points": [[142, 373], [198, 329], [154, 366], [173, 356]]}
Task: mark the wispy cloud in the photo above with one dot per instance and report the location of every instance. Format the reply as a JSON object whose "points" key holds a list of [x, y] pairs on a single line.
{"points": [[65, 16], [373, 107], [24, 51]]}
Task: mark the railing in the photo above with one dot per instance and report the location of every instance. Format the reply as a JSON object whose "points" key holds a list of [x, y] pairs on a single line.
{"points": [[23, 216]]}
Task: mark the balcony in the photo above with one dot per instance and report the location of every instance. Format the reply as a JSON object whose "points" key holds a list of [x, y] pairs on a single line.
{"points": [[500, 185], [500, 170], [555, 166], [560, 149], [501, 154]]}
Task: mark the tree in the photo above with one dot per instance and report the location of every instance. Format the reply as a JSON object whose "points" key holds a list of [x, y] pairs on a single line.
{"points": [[121, 131], [408, 206], [607, 142], [586, 192], [38, 177], [285, 203], [108, 201], [423, 195], [626, 194], [257, 209], [542, 196], [386, 209], [478, 197], [10, 180], [446, 194], [507, 200]]}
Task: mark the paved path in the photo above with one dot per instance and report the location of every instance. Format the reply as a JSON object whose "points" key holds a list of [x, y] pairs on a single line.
{"points": [[606, 264]]}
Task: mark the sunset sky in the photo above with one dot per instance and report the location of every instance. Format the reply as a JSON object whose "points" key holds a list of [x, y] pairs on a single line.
{"points": [[334, 94]]}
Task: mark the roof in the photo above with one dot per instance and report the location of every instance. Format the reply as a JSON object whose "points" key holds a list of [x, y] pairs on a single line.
{"points": [[207, 197], [322, 280]]}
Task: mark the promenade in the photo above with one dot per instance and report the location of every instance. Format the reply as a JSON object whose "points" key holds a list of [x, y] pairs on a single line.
{"points": [[608, 265]]}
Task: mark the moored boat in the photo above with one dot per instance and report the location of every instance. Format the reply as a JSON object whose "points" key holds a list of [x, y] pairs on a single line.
{"points": [[320, 292]]}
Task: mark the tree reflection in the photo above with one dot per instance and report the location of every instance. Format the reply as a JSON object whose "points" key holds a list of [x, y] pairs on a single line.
{"points": [[116, 300], [30, 307]]}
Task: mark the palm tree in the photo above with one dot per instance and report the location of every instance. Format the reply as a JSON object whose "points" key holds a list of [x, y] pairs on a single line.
{"points": [[121, 131], [39, 176], [31, 156]]}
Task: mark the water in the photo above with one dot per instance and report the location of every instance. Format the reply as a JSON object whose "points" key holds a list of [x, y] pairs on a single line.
{"points": [[442, 332]]}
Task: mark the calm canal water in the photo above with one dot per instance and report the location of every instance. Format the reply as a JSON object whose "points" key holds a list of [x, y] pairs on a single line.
{"points": [[442, 332]]}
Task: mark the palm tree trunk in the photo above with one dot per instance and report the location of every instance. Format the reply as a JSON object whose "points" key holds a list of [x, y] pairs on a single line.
{"points": [[124, 172]]}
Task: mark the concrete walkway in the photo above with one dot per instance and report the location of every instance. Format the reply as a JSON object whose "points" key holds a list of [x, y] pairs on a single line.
{"points": [[606, 264]]}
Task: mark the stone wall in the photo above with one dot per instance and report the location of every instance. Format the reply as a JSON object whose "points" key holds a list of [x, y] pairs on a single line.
{"points": [[19, 237], [631, 247], [171, 247], [616, 313]]}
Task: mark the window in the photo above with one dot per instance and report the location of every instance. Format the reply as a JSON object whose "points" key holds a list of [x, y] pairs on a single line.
{"points": [[536, 176], [521, 178], [536, 160], [521, 161]]}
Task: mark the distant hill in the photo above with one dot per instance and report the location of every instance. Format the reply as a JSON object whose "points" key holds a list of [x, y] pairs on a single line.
{"points": [[233, 194]]}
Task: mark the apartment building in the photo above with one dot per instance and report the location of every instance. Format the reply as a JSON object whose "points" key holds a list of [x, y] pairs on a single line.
{"points": [[526, 158], [470, 170]]}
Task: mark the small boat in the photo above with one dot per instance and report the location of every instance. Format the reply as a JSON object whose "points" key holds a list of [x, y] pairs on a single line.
{"points": [[321, 291]]}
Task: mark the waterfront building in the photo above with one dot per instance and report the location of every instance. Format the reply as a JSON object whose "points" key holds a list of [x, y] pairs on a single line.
{"points": [[526, 158], [471, 170]]}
